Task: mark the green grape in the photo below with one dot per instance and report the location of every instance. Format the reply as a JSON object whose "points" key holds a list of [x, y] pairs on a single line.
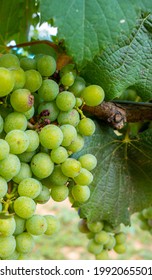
{"points": [[9, 167], [69, 134], [26, 156], [59, 155], [9, 61], [103, 255], [20, 225], [7, 246], [7, 226], [29, 187], [30, 113], [147, 213], [17, 140], [4, 149], [53, 224], [71, 117], [144, 226], [15, 120], [48, 90], [71, 167], [13, 256], [93, 95], [78, 102], [24, 243], [95, 227], [6, 81], [25, 172], [86, 127], [51, 108], [90, 235], [33, 80], [19, 77], [57, 177], [46, 65], [88, 161], [21, 100], [41, 165], [85, 177], [120, 248], [36, 225], [80, 193], [24, 207], [1, 124], [3, 187], [78, 85], [68, 79], [44, 195], [51, 136], [120, 237], [111, 243], [94, 248], [67, 68], [33, 140], [82, 226], [65, 101], [102, 237], [27, 63], [77, 144], [59, 193]]}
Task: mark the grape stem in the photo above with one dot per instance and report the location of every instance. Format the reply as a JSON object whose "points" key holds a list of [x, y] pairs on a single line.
{"points": [[118, 113]]}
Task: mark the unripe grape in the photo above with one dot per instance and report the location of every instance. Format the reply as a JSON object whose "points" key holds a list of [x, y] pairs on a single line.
{"points": [[6, 81], [77, 144], [94, 248], [33, 140], [85, 177], [41, 165], [9, 167], [80, 193], [51, 136], [78, 86], [46, 65], [25, 172], [120, 237], [7, 226], [71, 167], [44, 195], [27, 63], [7, 246], [24, 242], [29, 187], [24, 207], [33, 80], [71, 117], [103, 255], [120, 248], [9, 60], [86, 127], [17, 140], [69, 134], [59, 155], [82, 226], [95, 226], [21, 100], [20, 225], [57, 177], [15, 120], [51, 108], [93, 95], [59, 193], [102, 237], [36, 225], [3, 187], [48, 90], [19, 77], [53, 225], [65, 101], [68, 79], [4, 149], [88, 161]]}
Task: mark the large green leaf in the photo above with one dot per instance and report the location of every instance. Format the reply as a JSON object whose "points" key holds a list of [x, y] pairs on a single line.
{"points": [[122, 181], [126, 64], [89, 26]]}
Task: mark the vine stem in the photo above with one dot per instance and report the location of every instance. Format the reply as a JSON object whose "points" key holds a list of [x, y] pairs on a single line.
{"points": [[118, 113], [37, 42]]}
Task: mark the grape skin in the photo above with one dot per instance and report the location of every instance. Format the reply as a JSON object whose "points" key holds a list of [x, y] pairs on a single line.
{"points": [[6, 81], [59, 193], [36, 225], [21, 100], [24, 242], [15, 120], [53, 225], [24, 207], [29, 187], [7, 226], [7, 246], [51, 136], [17, 140], [65, 100], [4, 149], [41, 165], [9, 167]]}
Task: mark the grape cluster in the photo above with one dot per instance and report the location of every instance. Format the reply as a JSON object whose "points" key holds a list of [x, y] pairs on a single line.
{"points": [[145, 219], [41, 126], [103, 238]]}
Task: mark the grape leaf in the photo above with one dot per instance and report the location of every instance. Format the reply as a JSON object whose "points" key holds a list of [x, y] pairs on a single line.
{"points": [[122, 182], [126, 64], [89, 26]]}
